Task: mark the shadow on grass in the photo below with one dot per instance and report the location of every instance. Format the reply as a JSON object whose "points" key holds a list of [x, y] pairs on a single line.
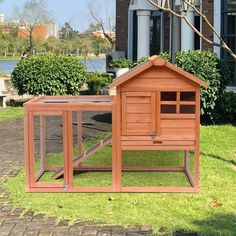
{"points": [[222, 224], [232, 162]]}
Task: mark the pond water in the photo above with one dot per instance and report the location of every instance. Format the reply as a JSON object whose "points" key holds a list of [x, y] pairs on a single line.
{"points": [[98, 65]]}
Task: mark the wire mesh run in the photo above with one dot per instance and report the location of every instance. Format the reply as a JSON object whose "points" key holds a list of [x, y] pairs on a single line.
{"points": [[156, 168], [48, 147]]}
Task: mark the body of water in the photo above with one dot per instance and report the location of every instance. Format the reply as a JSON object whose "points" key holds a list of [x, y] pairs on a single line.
{"points": [[98, 65]]}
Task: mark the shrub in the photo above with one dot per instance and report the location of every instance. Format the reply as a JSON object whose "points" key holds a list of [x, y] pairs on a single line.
{"points": [[122, 63], [49, 75], [97, 80], [225, 111]]}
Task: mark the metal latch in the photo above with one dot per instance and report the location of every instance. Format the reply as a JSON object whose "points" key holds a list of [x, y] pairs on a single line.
{"points": [[66, 186], [153, 135]]}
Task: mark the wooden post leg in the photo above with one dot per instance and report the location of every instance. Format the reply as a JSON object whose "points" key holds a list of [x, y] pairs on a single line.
{"points": [[27, 143], [186, 160], [116, 152], [196, 169]]}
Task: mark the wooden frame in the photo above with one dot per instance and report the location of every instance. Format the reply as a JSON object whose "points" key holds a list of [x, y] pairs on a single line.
{"points": [[149, 112]]}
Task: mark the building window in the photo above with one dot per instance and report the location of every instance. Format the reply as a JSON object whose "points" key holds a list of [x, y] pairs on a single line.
{"points": [[229, 31], [155, 33], [135, 36]]}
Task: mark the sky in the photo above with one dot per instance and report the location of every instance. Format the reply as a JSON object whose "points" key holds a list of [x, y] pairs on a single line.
{"points": [[73, 11]]}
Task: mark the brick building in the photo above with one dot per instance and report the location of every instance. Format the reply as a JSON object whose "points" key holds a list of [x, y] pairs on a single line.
{"points": [[141, 30], [39, 32]]}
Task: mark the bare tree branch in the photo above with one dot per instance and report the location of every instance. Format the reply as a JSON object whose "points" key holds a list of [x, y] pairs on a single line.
{"points": [[93, 11], [191, 6], [31, 13]]}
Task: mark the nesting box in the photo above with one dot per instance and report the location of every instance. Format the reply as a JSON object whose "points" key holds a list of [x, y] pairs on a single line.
{"points": [[159, 107], [156, 109]]}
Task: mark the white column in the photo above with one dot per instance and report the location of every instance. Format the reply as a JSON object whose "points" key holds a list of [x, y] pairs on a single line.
{"points": [[187, 34], [217, 24], [130, 34], [143, 33]]}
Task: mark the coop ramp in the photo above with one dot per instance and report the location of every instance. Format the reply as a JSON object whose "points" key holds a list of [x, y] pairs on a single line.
{"points": [[84, 155]]}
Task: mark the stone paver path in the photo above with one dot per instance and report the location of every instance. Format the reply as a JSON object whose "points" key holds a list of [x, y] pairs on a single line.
{"points": [[14, 223]]}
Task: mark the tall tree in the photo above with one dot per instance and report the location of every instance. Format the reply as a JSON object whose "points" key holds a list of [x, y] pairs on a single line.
{"points": [[31, 13], [190, 5], [103, 18], [67, 32]]}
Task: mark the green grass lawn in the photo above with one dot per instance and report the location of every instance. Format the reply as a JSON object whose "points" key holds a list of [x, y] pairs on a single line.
{"points": [[212, 211], [10, 113], [10, 58]]}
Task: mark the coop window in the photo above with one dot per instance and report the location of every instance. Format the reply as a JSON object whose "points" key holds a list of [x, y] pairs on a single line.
{"points": [[187, 96], [168, 109], [168, 96], [187, 109]]}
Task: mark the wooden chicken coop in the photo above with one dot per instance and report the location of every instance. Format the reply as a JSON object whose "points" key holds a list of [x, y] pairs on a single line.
{"points": [[156, 109]]}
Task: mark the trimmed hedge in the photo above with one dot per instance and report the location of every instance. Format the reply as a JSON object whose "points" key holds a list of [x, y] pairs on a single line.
{"points": [[225, 111], [49, 75]]}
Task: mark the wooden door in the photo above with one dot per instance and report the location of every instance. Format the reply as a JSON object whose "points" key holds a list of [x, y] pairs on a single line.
{"points": [[138, 113]]}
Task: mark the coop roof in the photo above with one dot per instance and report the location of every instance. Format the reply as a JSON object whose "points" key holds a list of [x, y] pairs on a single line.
{"points": [[156, 61]]}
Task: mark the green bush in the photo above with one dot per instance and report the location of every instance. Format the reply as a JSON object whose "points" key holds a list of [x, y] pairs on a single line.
{"points": [[225, 111], [97, 80], [49, 75], [122, 63]]}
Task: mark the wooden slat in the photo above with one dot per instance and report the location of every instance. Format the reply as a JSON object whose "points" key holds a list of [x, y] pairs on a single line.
{"points": [[178, 116], [161, 138], [161, 83], [139, 118], [154, 89], [138, 100], [124, 113], [74, 190], [178, 103], [168, 102], [48, 185], [157, 73], [138, 108], [131, 168], [153, 112], [177, 123], [137, 148], [157, 143], [138, 94], [173, 131], [138, 128], [158, 113]]}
